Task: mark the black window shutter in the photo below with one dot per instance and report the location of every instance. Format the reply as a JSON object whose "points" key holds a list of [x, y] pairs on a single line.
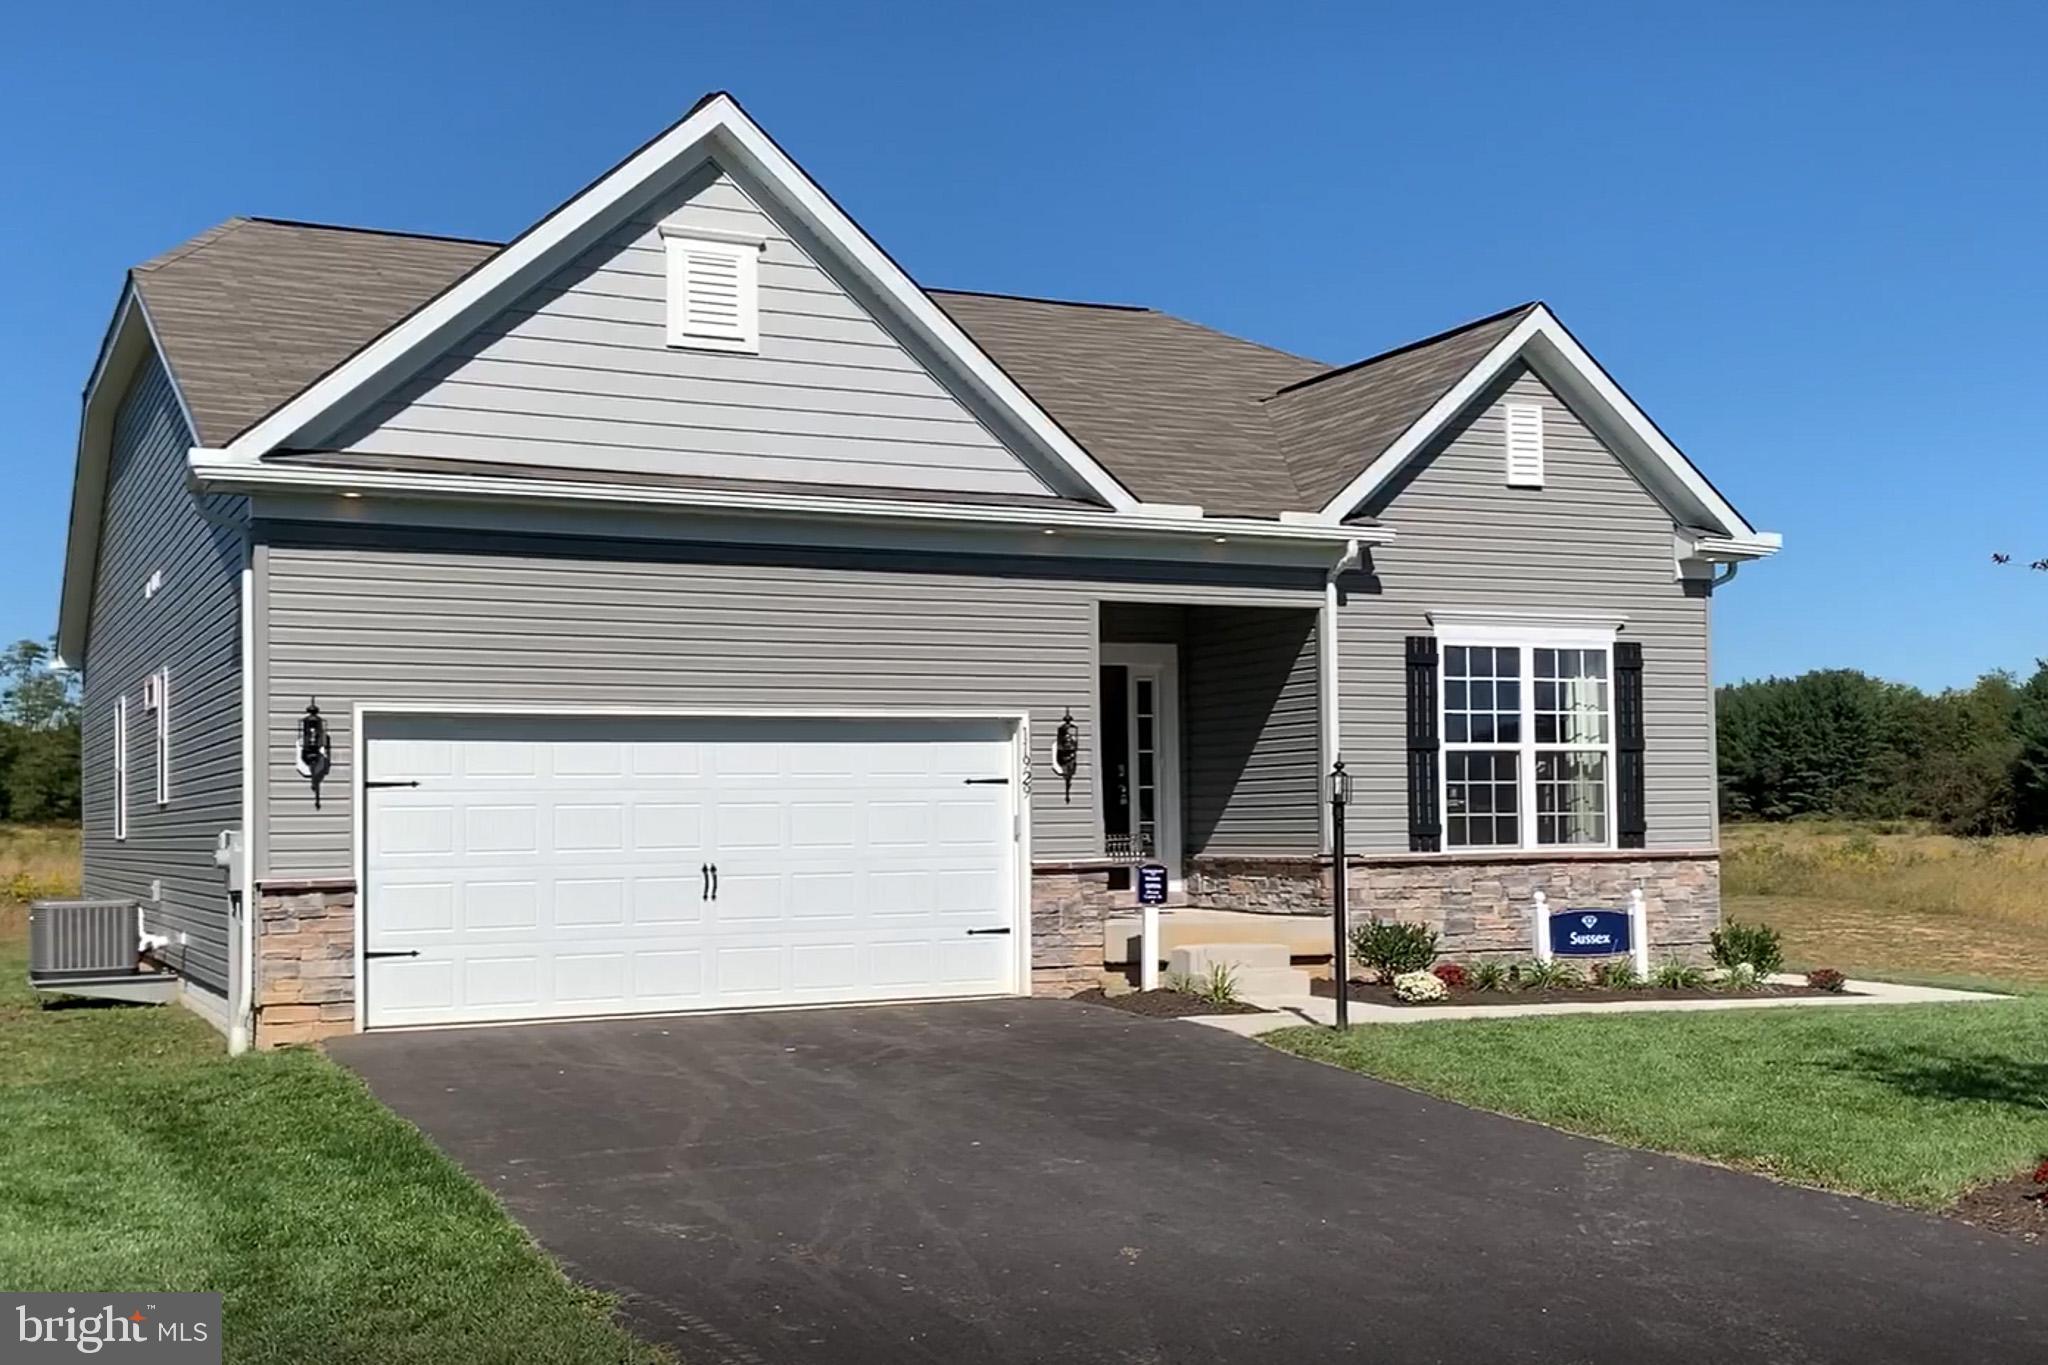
{"points": [[1425, 830], [1631, 825]]}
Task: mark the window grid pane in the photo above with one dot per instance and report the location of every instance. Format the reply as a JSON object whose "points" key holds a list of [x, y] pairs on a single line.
{"points": [[1571, 699], [1482, 797], [1482, 695], [1571, 796]]}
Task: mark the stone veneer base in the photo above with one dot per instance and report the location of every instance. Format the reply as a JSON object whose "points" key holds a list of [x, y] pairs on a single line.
{"points": [[305, 960], [1478, 904], [305, 981]]}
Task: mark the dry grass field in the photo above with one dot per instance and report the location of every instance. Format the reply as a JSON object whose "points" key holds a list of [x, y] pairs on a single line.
{"points": [[36, 862], [1885, 901]]}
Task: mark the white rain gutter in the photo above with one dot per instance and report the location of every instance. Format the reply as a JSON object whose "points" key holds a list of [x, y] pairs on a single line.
{"points": [[213, 472]]}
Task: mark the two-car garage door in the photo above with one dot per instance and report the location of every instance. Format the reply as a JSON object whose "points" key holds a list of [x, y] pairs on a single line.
{"points": [[544, 867]]}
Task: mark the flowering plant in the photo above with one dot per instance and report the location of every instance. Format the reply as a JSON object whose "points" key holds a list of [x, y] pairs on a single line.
{"points": [[2041, 1172], [1415, 987], [1452, 975]]}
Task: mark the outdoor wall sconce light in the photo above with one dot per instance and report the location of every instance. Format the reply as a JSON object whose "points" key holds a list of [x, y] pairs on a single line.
{"points": [[1066, 751], [315, 754]]}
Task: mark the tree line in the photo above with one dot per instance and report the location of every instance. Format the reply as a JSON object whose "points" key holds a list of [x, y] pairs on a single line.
{"points": [[38, 736], [1838, 742]]}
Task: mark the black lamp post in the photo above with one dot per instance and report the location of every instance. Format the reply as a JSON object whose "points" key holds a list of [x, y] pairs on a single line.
{"points": [[1340, 797]]}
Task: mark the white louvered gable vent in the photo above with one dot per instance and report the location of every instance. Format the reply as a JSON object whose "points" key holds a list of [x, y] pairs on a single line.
{"points": [[1525, 445], [713, 293]]}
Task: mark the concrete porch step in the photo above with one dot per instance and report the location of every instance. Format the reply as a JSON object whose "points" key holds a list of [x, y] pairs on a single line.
{"points": [[1304, 935], [1262, 968]]}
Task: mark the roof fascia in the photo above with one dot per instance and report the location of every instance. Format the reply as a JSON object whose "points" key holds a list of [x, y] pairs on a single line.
{"points": [[1548, 347], [214, 471], [717, 127]]}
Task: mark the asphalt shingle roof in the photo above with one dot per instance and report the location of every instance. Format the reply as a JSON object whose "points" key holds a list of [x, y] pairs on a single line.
{"points": [[253, 311]]}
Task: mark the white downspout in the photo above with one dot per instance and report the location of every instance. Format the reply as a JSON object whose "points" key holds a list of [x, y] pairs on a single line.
{"points": [[1333, 747], [241, 1009]]}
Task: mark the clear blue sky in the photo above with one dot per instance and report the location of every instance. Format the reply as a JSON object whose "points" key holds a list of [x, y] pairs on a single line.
{"points": [[1811, 239]]}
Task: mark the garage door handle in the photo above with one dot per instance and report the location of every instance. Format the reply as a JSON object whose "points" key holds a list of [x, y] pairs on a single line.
{"points": [[394, 952], [988, 781], [1004, 930], [714, 881]]}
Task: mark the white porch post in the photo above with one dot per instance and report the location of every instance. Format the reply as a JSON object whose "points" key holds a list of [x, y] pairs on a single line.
{"points": [[1639, 932]]}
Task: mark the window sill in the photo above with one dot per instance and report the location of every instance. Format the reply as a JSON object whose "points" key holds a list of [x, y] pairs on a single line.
{"points": [[1538, 855]]}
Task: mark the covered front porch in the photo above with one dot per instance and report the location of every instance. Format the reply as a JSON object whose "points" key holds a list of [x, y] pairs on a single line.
{"points": [[1209, 752]]}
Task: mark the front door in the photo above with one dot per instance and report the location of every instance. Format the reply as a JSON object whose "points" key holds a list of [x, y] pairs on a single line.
{"points": [[1140, 758]]}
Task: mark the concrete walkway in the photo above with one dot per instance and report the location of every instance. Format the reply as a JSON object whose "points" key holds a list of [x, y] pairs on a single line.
{"points": [[1294, 1010]]}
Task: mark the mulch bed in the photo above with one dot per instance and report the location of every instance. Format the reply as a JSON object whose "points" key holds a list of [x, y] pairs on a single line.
{"points": [[1374, 993], [2014, 1207], [1164, 1004]]}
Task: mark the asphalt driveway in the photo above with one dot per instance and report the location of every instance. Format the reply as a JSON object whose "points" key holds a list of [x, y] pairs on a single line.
{"points": [[1045, 1181]]}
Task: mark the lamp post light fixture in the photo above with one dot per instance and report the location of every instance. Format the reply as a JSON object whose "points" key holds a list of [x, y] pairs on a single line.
{"points": [[315, 755], [1066, 751], [1340, 955]]}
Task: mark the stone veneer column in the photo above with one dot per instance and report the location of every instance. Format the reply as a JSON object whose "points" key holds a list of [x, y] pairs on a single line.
{"points": [[1479, 906], [305, 960], [1068, 904], [1479, 903]]}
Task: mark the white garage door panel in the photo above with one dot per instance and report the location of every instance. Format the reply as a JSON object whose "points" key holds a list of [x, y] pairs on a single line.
{"points": [[550, 866]]}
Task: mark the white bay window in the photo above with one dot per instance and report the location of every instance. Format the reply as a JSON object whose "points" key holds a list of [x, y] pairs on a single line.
{"points": [[1527, 728]]}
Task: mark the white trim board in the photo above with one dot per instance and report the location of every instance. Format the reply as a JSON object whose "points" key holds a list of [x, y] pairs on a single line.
{"points": [[1542, 342], [216, 471], [716, 129], [1019, 788]]}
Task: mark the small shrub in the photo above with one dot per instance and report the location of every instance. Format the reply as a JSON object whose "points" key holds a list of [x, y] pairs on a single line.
{"points": [[2041, 1172], [1617, 975], [1392, 948], [1678, 976], [1826, 979], [1489, 976], [1756, 944], [1218, 985], [1453, 976], [1551, 976], [1415, 987], [1742, 976]]}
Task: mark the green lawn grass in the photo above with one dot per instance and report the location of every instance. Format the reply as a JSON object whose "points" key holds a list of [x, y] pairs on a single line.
{"points": [[135, 1155], [1912, 1104]]}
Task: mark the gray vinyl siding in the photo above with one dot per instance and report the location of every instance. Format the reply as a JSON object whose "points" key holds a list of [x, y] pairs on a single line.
{"points": [[421, 620], [578, 375], [1252, 747], [1591, 539], [193, 627]]}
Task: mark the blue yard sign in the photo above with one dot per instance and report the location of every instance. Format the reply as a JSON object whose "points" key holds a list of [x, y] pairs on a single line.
{"points": [[1589, 933], [1152, 884]]}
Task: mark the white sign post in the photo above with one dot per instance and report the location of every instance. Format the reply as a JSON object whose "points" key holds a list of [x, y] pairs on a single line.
{"points": [[1539, 925], [1639, 933], [1148, 935]]}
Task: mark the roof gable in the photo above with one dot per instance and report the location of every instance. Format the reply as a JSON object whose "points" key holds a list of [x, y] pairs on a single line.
{"points": [[1539, 340], [1337, 422], [716, 129], [579, 375]]}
